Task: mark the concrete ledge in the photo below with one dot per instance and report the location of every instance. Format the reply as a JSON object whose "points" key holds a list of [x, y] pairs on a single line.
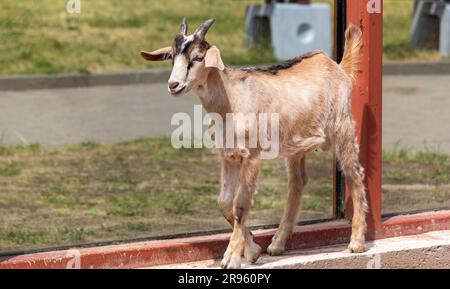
{"points": [[29, 82], [429, 250], [191, 249], [418, 67]]}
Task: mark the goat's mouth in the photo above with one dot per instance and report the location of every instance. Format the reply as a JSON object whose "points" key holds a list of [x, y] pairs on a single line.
{"points": [[177, 92]]}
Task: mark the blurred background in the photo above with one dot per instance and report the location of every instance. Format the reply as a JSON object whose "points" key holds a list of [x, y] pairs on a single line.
{"points": [[91, 163], [44, 38]]}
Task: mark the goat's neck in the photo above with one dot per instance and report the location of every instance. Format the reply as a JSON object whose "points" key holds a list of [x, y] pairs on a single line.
{"points": [[214, 93]]}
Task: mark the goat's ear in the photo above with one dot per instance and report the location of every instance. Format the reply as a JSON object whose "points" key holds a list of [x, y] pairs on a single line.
{"points": [[213, 59], [157, 55]]}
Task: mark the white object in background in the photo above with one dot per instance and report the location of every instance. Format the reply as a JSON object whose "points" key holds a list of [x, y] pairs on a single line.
{"points": [[444, 37], [293, 29], [297, 29]]}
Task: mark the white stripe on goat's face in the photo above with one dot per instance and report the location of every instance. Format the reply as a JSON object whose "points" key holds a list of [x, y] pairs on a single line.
{"points": [[177, 80], [187, 40]]}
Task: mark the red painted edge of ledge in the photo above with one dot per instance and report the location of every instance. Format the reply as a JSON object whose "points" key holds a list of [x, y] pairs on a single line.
{"points": [[404, 225], [153, 253]]}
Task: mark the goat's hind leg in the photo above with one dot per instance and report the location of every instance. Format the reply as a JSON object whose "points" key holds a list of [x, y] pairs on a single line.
{"points": [[297, 180], [347, 152], [229, 181]]}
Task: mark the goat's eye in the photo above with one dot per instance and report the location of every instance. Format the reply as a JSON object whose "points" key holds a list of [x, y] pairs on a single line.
{"points": [[198, 59]]}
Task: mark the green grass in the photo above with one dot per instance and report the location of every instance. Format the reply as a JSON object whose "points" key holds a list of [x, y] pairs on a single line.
{"points": [[422, 166], [40, 37], [44, 236], [421, 157], [11, 150], [10, 170]]}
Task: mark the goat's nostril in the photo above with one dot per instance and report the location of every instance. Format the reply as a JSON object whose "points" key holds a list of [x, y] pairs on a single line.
{"points": [[173, 85]]}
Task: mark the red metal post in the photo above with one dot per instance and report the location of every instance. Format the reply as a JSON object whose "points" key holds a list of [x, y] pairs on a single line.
{"points": [[366, 104]]}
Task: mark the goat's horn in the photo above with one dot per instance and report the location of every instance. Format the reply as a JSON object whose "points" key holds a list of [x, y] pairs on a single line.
{"points": [[200, 32], [184, 27]]}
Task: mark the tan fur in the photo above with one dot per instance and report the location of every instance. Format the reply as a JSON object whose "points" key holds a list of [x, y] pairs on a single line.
{"points": [[353, 44], [313, 100]]}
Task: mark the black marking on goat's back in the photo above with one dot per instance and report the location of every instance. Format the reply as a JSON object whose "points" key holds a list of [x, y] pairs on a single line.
{"points": [[274, 69]]}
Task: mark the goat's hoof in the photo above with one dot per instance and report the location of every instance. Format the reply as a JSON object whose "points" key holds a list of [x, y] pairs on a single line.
{"points": [[275, 249], [231, 261], [252, 253], [356, 247]]}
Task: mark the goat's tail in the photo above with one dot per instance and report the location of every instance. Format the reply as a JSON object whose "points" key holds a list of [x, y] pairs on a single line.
{"points": [[353, 43]]}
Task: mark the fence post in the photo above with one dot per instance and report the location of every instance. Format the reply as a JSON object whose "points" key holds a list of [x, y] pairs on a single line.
{"points": [[367, 104]]}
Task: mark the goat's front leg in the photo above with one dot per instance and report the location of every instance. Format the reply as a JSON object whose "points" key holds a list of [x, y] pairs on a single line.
{"points": [[241, 236], [229, 180]]}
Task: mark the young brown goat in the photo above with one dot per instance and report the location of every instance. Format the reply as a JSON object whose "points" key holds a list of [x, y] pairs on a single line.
{"points": [[312, 96]]}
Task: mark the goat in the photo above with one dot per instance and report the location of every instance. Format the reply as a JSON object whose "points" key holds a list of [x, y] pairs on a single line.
{"points": [[312, 96]]}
